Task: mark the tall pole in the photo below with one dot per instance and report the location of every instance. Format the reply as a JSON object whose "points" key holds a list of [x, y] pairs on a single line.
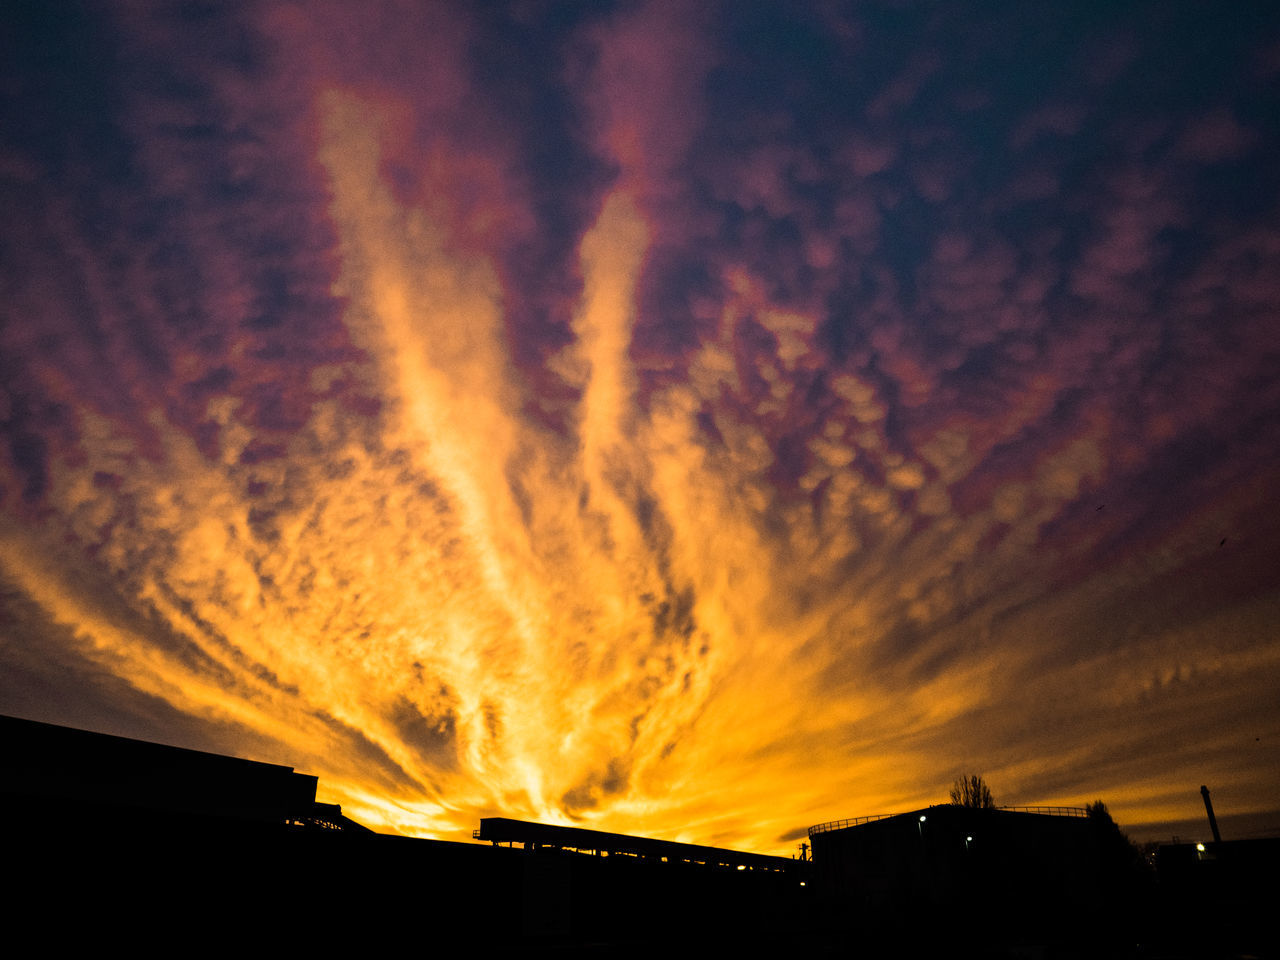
{"points": [[1208, 807]]}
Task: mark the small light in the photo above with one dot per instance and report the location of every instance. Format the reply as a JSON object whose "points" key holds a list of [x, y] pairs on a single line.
{"points": [[1200, 847], [802, 883], [922, 819], [968, 839], [742, 866]]}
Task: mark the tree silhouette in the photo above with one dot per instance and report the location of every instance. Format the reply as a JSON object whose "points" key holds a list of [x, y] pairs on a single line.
{"points": [[972, 791], [1122, 885], [1099, 813], [1117, 850]]}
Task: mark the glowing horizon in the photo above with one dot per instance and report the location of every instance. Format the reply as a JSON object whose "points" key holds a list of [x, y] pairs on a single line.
{"points": [[600, 435]]}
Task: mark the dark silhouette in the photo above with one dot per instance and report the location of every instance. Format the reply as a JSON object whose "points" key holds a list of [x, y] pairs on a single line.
{"points": [[543, 836], [1124, 870], [132, 781], [972, 791], [1006, 879], [1208, 808], [1099, 813], [116, 841]]}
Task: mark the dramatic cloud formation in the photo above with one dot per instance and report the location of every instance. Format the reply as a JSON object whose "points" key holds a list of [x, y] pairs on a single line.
{"points": [[685, 419]]}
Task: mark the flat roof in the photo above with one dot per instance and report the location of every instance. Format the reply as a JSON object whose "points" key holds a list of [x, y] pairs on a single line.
{"points": [[947, 809], [51, 762], [505, 830]]}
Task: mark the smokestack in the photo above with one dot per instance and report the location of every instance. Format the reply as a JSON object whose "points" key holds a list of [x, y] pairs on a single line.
{"points": [[1213, 821]]}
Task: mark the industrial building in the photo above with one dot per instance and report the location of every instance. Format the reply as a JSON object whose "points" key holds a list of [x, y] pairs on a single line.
{"points": [[157, 848], [120, 841], [1229, 887], [930, 856], [989, 877]]}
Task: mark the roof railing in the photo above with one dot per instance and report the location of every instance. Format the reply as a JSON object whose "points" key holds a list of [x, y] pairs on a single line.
{"points": [[841, 824], [1051, 811], [1044, 811]]}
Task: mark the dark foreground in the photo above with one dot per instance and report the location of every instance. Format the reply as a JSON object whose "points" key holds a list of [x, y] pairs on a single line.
{"points": [[159, 850]]}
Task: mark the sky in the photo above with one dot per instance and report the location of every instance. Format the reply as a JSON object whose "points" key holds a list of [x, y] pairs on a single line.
{"points": [[699, 420]]}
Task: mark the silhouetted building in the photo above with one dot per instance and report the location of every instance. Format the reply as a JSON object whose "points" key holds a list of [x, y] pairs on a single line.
{"points": [[1222, 895], [548, 837], [59, 774], [151, 847], [116, 841], [982, 877]]}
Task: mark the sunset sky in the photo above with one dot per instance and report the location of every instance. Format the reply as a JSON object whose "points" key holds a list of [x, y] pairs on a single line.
{"points": [[700, 420]]}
